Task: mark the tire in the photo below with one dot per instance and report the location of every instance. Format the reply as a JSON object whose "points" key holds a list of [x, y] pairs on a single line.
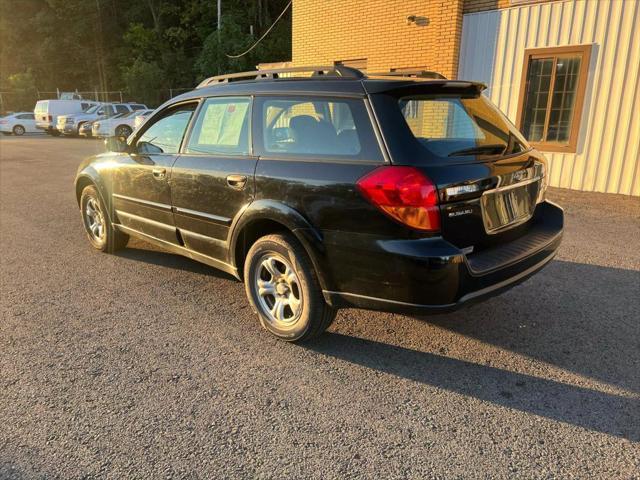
{"points": [[123, 131], [18, 130], [101, 233], [301, 312], [54, 133]]}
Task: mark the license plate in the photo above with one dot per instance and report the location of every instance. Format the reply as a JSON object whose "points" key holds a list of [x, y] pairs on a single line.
{"points": [[509, 206]]}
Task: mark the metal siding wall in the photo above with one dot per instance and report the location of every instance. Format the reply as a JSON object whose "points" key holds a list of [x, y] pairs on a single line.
{"points": [[608, 154]]}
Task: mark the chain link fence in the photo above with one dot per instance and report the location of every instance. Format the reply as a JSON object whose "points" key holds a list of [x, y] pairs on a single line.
{"points": [[14, 101]]}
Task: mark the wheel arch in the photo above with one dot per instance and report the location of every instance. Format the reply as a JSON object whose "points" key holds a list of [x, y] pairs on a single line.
{"points": [[83, 180], [265, 217]]}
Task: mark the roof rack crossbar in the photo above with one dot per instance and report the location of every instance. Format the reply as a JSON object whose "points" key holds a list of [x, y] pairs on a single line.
{"points": [[333, 70], [410, 73]]}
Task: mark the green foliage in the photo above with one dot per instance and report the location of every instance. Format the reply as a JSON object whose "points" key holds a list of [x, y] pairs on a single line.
{"points": [[143, 80], [106, 44], [23, 88]]}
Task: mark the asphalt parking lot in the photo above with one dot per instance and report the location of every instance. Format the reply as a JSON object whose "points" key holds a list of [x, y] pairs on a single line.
{"points": [[148, 365]]}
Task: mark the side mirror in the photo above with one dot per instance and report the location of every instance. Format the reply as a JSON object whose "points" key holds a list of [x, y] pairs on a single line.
{"points": [[115, 144]]}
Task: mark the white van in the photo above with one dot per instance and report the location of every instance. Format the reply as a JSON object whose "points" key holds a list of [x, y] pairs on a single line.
{"points": [[47, 111]]}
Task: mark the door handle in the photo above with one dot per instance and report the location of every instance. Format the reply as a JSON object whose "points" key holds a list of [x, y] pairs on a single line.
{"points": [[159, 173], [236, 181]]}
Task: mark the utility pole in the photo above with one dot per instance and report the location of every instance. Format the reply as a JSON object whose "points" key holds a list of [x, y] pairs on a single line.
{"points": [[219, 17]]}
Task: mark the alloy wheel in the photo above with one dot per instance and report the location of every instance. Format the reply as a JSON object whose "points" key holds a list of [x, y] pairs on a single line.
{"points": [[94, 220], [277, 289]]}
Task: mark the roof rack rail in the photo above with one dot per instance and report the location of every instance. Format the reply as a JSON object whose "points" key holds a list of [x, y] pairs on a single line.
{"points": [[411, 73], [332, 71]]}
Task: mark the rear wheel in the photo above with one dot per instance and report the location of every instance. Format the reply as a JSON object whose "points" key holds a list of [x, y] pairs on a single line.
{"points": [[283, 289], [18, 130], [101, 233]]}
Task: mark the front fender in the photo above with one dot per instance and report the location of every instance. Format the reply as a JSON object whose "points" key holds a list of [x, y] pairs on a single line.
{"points": [[87, 175], [294, 221]]}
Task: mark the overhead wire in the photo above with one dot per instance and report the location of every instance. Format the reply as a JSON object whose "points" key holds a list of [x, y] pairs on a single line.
{"points": [[263, 35]]}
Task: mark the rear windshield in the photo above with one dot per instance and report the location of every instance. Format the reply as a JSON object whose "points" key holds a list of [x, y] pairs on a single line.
{"points": [[453, 126]]}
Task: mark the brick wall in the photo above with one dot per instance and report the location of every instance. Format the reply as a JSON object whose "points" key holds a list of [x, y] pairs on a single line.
{"points": [[325, 31]]}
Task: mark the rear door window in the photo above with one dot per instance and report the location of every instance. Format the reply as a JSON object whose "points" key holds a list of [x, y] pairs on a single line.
{"points": [[222, 127], [316, 128]]}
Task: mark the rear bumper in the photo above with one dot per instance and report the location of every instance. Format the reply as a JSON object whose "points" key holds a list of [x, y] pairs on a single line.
{"points": [[433, 276]]}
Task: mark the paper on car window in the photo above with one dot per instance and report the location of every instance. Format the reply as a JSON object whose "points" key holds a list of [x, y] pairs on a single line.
{"points": [[222, 123]]}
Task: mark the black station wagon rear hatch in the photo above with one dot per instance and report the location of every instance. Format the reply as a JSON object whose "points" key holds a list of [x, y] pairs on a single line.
{"points": [[488, 178]]}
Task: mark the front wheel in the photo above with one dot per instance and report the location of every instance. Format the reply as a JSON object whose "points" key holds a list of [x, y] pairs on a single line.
{"points": [[283, 289], [123, 131], [101, 233], [18, 130]]}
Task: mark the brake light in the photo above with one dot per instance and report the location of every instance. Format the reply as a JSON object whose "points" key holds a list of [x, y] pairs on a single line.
{"points": [[49, 118], [405, 194]]}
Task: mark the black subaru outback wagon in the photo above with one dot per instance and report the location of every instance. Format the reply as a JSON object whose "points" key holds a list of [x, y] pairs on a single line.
{"points": [[411, 194]]}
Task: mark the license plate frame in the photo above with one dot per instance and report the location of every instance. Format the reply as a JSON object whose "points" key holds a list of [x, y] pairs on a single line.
{"points": [[509, 206]]}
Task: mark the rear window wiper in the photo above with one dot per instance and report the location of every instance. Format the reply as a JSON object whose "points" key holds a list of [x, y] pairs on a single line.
{"points": [[496, 148]]}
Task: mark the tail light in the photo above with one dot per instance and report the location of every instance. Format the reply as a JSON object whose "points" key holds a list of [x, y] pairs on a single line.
{"points": [[49, 118], [405, 194]]}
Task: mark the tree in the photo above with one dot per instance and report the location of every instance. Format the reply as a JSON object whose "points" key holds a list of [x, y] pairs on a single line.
{"points": [[84, 44], [23, 90], [144, 81]]}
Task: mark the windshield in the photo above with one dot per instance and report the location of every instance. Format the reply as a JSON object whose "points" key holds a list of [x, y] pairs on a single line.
{"points": [[92, 109], [450, 126]]}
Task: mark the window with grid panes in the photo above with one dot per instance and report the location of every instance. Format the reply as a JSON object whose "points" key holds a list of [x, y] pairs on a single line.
{"points": [[551, 96]]}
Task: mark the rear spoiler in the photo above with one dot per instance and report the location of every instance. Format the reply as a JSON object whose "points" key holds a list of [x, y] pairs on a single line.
{"points": [[426, 86]]}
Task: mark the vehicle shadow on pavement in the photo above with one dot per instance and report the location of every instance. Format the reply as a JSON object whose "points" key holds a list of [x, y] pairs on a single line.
{"points": [[171, 260], [582, 318], [591, 409]]}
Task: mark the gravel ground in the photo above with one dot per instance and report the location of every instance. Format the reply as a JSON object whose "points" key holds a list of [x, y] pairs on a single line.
{"points": [[149, 365]]}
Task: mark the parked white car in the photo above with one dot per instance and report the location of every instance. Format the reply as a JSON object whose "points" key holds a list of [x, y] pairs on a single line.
{"points": [[47, 111], [18, 123], [70, 124], [141, 117], [119, 126]]}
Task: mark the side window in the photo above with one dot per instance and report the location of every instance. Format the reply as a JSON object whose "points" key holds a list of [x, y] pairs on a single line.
{"points": [[318, 127], [222, 127], [122, 109], [164, 135]]}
